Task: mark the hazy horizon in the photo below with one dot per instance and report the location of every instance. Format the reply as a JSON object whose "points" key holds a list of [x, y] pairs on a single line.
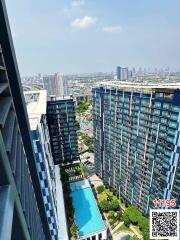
{"points": [[83, 36]]}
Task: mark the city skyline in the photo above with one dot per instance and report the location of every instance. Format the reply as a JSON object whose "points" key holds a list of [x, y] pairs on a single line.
{"points": [[106, 34]]}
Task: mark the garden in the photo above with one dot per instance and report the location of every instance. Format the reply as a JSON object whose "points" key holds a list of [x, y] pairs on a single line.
{"points": [[88, 141], [70, 173], [82, 106], [132, 216], [109, 204], [122, 216]]}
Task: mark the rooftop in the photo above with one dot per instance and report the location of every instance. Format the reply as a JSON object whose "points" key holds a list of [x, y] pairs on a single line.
{"points": [[36, 106], [87, 215], [135, 85], [54, 98]]}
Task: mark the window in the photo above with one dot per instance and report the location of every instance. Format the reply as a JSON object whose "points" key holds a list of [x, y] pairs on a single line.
{"points": [[99, 236], [94, 237]]}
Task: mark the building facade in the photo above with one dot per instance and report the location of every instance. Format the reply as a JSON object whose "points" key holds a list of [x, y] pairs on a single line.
{"points": [[22, 213], [54, 84], [137, 140], [122, 73], [63, 129], [36, 102]]}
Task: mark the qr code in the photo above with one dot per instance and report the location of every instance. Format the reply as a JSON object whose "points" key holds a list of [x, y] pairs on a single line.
{"points": [[164, 224]]}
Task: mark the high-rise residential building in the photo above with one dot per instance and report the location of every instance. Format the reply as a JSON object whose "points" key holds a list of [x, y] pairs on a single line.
{"points": [[63, 129], [118, 72], [36, 102], [54, 84], [122, 73], [22, 212], [137, 140]]}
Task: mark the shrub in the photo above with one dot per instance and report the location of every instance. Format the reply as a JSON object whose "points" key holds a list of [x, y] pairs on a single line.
{"points": [[100, 189], [104, 205], [132, 238], [74, 230], [110, 198], [143, 223], [126, 204], [111, 214], [133, 214], [126, 220], [118, 216], [114, 204]]}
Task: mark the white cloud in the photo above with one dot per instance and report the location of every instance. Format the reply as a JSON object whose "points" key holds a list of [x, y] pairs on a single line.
{"points": [[112, 29], [84, 22], [77, 3]]}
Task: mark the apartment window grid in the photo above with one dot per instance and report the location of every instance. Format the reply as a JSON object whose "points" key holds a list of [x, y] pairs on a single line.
{"points": [[137, 118], [62, 125], [45, 188]]}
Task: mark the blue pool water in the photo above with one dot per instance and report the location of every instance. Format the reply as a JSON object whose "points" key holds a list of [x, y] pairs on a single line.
{"points": [[87, 215]]}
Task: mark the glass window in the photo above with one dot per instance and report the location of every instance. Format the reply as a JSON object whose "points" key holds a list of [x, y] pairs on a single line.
{"points": [[94, 237], [99, 236]]}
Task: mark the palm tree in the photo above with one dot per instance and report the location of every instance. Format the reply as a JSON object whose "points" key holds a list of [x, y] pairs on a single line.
{"points": [[74, 231]]}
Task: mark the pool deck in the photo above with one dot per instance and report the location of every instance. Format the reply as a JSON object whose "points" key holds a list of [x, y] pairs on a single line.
{"points": [[87, 214]]}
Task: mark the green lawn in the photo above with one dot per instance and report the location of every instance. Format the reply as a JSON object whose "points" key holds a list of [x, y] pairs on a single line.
{"points": [[123, 228]]}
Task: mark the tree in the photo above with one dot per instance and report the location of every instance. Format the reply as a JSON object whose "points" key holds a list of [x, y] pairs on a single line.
{"points": [[74, 231], [118, 216], [111, 214], [91, 148], [78, 125], [104, 205], [126, 220], [114, 204], [132, 238], [144, 227], [100, 189], [64, 176], [126, 204]]}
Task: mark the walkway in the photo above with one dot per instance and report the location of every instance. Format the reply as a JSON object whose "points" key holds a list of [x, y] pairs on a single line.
{"points": [[114, 229], [136, 232]]}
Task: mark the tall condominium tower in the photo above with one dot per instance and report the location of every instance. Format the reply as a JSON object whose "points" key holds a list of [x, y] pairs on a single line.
{"points": [[22, 212], [118, 72], [36, 102], [54, 84], [63, 129], [137, 140], [122, 73]]}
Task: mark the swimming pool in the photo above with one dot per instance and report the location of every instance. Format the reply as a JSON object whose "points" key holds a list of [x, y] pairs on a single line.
{"points": [[87, 215]]}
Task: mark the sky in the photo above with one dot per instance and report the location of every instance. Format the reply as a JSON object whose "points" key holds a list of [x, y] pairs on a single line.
{"points": [[83, 36]]}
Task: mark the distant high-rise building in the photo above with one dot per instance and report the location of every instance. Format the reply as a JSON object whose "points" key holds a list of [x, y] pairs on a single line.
{"points": [[118, 72], [63, 129], [36, 102], [122, 73], [54, 84], [22, 212], [137, 140]]}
